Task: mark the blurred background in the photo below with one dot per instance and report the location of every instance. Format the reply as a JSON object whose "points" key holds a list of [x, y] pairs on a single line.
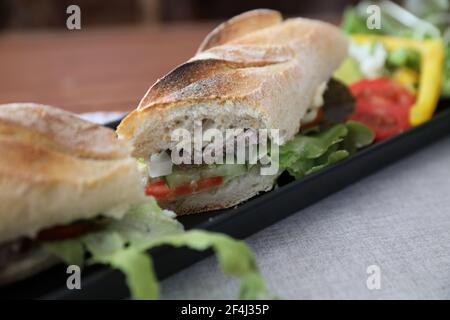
{"points": [[51, 13], [124, 46]]}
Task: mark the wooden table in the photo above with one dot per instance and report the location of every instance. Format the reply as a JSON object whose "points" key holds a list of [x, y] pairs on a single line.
{"points": [[90, 70]]}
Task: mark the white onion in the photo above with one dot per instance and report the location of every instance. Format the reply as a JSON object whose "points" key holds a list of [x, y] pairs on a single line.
{"points": [[160, 165]]}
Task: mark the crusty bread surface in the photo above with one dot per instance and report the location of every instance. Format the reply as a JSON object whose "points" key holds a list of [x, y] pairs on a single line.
{"points": [[254, 71], [56, 168]]}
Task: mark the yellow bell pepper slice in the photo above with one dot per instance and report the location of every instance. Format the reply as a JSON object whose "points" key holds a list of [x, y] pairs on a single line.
{"points": [[432, 61]]}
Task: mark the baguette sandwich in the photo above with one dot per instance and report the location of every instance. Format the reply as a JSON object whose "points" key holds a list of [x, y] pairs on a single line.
{"points": [[58, 174], [255, 71], [71, 192]]}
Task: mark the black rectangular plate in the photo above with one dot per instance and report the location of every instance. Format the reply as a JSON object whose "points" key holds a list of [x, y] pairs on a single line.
{"points": [[99, 282]]}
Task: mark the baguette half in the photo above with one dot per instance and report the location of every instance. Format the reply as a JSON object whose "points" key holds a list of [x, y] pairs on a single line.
{"points": [[254, 71], [230, 194], [56, 168]]}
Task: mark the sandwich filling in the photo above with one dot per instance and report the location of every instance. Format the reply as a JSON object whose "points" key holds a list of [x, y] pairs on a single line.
{"points": [[166, 181], [123, 244], [324, 138]]}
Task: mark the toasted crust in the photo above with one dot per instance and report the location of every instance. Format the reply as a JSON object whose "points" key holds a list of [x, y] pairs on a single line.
{"points": [[254, 71], [240, 25], [56, 168], [265, 77], [60, 131]]}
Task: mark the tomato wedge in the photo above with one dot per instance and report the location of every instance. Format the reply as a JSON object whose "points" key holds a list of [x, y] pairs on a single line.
{"points": [[161, 191], [383, 105]]}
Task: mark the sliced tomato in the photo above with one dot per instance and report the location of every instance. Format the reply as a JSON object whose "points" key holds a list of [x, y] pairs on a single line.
{"points": [[383, 105], [158, 189], [161, 191], [184, 189], [209, 183]]}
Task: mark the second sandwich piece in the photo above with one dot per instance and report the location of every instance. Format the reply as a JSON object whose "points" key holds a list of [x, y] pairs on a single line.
{"points": [[255, 71]]}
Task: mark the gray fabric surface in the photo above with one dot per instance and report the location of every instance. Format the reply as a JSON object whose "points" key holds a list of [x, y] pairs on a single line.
{"points": [[398, 219]]}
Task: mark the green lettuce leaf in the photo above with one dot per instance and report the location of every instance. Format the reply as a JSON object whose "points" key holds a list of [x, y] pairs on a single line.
{"points": [[353, 21], [303, 146], [327, 159], [146, 222], [358, 136], [137, 266], [446, 75], [314, 150], [71, 252], [234, 258], [404, 57], [125, 243]]}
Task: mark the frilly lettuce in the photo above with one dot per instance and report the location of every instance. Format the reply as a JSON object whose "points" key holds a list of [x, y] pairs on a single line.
{"points": [[311, 151], [124, 245]]}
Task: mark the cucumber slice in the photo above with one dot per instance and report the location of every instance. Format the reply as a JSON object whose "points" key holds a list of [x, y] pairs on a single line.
{"points": [[225, 170], [179, 178], [183, 176]]}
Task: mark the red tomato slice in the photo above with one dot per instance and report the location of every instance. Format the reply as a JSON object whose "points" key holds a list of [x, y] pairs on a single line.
{"points": [[208, 183], [158, 189], [383, 105], [184, 189], [161, 191]]}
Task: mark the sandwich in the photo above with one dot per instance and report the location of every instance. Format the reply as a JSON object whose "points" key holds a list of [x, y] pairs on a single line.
{"points": [[253, 72], [58, 175], [71, 192]]}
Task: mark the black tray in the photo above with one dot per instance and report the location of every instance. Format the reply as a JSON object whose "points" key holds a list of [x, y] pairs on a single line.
{"points": [[99, 282]]}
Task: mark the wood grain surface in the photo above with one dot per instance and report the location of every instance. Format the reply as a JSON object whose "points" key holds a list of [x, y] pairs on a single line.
{"points": [[90, 70]]}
